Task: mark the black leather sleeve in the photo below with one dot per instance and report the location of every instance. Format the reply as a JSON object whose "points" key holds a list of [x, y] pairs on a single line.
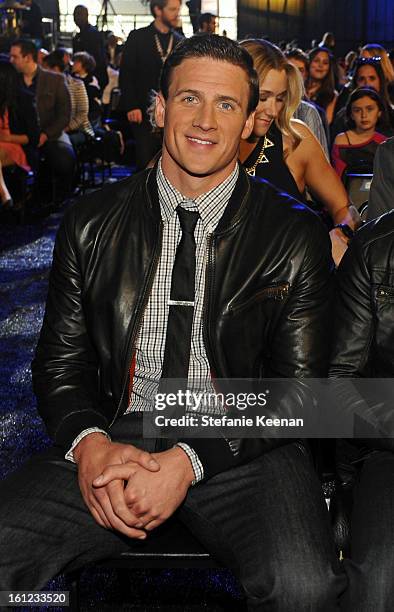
{"points": [[353, 321], [367, 403], [65, 367]]}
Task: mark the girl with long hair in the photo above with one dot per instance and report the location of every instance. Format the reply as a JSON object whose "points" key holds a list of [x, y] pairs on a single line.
{"points": [[283, 150], [320, 84], [368, 73]]}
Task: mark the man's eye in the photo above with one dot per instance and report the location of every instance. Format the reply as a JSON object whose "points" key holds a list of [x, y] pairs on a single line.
{"points": [[226, 105], [190, 99]]}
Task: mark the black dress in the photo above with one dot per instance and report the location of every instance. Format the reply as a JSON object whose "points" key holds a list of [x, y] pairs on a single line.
{"points": [[270, 163]]}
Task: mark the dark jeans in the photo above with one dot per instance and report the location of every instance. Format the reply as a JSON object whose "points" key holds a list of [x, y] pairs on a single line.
{"points": [[57, 171], [266, 520], [371, 567]]}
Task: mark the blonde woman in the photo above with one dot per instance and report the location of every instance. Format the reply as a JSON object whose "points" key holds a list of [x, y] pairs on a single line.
{"points": [[283, 150]]}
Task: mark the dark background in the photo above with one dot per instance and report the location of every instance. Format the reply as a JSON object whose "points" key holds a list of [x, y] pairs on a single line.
{"points": [[353, 22]]}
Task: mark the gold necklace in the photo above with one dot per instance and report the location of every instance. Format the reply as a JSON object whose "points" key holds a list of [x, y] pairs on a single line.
{"points": [[163, 56], [261, 158]]}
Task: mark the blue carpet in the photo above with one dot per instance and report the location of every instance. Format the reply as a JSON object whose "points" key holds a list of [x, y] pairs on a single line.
{"points": [[25, 260]]}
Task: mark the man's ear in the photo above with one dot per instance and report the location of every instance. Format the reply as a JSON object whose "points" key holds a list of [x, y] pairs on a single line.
{"points": [[248, 127], [160, 110]]}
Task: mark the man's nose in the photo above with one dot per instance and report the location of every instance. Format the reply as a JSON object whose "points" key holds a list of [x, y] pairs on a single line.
{"points": [[205, 117]]}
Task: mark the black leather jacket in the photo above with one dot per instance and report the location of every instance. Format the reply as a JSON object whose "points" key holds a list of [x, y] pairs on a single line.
{"points": [[267, 302], [364, 334], [364, 345]]}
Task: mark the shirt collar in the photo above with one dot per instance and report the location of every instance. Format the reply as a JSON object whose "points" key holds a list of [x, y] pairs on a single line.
{"points": [[210, 205]]}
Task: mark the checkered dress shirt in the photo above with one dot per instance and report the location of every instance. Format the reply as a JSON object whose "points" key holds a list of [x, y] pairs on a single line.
{"points": [[150, 343]]}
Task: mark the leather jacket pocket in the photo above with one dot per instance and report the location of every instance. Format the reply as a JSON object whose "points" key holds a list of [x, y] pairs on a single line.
{"points": [[383, 303], [384, 294], [278, 291]]}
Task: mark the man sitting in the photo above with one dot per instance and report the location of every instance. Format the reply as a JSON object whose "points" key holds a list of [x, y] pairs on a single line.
{"points": [[185, 271], [54, 111]]}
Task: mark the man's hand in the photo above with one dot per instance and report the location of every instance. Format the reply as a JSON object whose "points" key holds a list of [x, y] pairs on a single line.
{"points": [[107, 504], [43, 139], [135, 115], [152, 496]]}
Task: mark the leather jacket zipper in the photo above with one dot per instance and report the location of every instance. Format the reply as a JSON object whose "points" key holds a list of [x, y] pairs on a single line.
{"points": [[383, 294], [279, 291], [138, 322]]}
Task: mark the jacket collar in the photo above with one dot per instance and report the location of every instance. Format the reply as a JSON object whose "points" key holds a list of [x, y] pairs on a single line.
{"points": [[234, 211]]}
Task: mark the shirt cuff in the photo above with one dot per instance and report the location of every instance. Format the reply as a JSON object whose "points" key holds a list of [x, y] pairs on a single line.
{"points": [[69, 456], [195, 461]]}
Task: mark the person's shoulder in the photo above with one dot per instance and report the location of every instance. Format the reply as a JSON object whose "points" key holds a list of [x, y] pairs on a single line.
{"points": [[386, 148], [340, 139], [309, 110], [178, 36], [91, 210], [140, 34], [300, 127], [269, 201], [376, 231], [50, 77], [74, 82]]}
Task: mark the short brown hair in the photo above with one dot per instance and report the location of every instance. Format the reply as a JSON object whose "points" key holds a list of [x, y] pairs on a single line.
{"points": [[219, 48]]}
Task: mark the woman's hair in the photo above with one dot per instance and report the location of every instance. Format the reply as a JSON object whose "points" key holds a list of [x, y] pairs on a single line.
{"points": [[9, 86], [267, 56], [375, 62], [364, 92], [326, 91], [88, 62], [55, 60], [375, 50]]}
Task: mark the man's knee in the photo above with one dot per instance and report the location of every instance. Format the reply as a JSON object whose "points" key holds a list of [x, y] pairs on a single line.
{"points": [[293, 586]]}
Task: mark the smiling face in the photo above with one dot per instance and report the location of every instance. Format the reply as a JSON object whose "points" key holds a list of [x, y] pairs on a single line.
{"points": [[273, 91], [204, 118], [368, 77], [365, 114], [319, 66]]}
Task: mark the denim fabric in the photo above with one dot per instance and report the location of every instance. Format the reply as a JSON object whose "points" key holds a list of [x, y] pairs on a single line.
{"points": [[266, 520], [370, 569]]}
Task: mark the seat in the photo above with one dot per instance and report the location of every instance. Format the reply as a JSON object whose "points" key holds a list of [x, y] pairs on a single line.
{"points": [[172, 545], [357, 185]]}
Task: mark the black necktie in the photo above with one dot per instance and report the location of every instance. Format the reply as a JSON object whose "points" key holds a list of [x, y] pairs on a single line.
{"points": [[180, 318]]}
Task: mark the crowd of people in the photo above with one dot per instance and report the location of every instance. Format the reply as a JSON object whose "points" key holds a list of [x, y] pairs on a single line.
{"points": [[318, 119], [208, 265]]}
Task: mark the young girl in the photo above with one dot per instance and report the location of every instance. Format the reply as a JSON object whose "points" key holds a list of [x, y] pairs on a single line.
{"points": [[355, 148]]}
